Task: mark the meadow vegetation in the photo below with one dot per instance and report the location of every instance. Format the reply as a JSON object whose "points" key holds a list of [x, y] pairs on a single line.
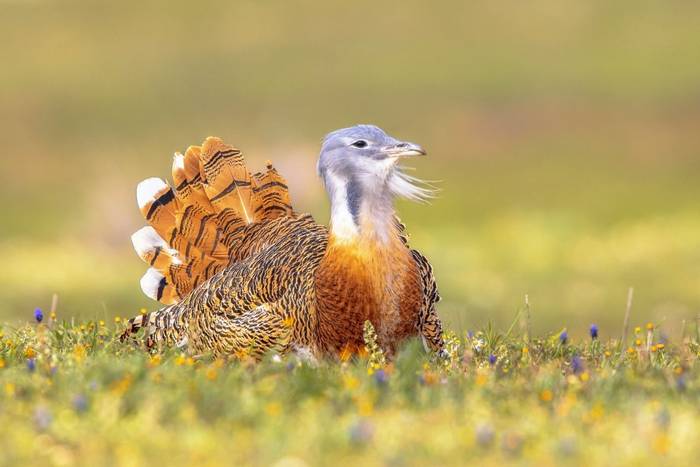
{"points": [[71, 393]]}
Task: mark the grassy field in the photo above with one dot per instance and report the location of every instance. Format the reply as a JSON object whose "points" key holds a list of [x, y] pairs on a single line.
{"points": [[71, 394]]}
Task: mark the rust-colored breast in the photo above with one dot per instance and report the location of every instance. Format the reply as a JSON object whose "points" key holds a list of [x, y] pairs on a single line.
{"points": [[358, 282]]}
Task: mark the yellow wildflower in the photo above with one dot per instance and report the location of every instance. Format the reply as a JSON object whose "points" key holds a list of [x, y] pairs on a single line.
{"points": [[608, 353], [546, 395], [585, 376], [662, 443], [350, 382], [102, 323], [365, 407], [180, 360], [653, 348], [143, 311], [650, 326], [525, 350], [596, 412], [660, 346], [630, 350], [637, 330], [211, 373], [2, 363], [10, 389], [273, 409], [430, 378], [79, 352], [122, 385], [117, 319], [154, 361], [29, 352], [638, 342]]}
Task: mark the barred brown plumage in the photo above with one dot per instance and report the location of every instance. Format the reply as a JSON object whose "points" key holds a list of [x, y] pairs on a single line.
{"points": [[242, 274]]}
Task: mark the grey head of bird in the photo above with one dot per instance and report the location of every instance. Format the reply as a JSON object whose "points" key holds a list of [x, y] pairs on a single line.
{"points": [[360, 170]]}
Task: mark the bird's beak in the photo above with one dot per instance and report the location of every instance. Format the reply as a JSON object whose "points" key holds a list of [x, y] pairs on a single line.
{"points": [[403, 149]]}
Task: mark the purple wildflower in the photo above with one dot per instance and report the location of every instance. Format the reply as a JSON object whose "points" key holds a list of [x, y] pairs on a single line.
{"points": [[594, 331], [681, 384], [663, 418], [381, 377], [361, 432], [42, 418], [484, 435], [492, 359], [576, 364], [31, 364], [80, 403], [563, 337], [38, 315]]}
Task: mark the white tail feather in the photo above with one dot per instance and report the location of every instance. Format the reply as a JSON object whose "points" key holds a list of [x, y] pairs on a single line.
{"points": [[147, 189], [146, 239], [151, 283], [178, 161]]}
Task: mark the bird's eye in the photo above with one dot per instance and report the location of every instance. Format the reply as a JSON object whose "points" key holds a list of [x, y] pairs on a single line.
{"points": [[360, 143]]}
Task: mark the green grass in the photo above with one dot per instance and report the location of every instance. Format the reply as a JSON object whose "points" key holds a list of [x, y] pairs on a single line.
{"points": [[85, 398]]}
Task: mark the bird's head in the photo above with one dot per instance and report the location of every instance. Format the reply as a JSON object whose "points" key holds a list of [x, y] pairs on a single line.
{"points": [[359, 167]]}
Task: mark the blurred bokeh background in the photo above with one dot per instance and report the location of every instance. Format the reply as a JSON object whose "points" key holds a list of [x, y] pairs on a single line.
{"points": [[566, 135]]}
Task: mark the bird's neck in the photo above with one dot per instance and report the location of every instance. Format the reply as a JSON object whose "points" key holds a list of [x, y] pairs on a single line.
{"points": [[361, 214], [366, 271]]}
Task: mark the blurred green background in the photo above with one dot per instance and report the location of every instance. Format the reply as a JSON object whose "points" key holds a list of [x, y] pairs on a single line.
{"points": [[566, 135]]}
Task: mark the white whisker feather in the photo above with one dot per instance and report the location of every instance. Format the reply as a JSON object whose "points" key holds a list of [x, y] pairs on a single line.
{"points": [[410, 187]]}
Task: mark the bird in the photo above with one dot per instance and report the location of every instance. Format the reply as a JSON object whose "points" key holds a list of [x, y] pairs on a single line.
{"points": [[242, 274]]}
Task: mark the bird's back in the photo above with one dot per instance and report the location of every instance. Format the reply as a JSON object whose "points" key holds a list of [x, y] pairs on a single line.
{"points": [[278, 269]]}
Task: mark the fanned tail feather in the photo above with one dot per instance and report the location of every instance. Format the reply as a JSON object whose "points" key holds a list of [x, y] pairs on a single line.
{"points": [[272, 190], [228, 182], [195, 227]]}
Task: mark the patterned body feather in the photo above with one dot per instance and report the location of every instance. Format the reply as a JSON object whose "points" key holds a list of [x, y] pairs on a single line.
{"points": [[242, 274]]}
